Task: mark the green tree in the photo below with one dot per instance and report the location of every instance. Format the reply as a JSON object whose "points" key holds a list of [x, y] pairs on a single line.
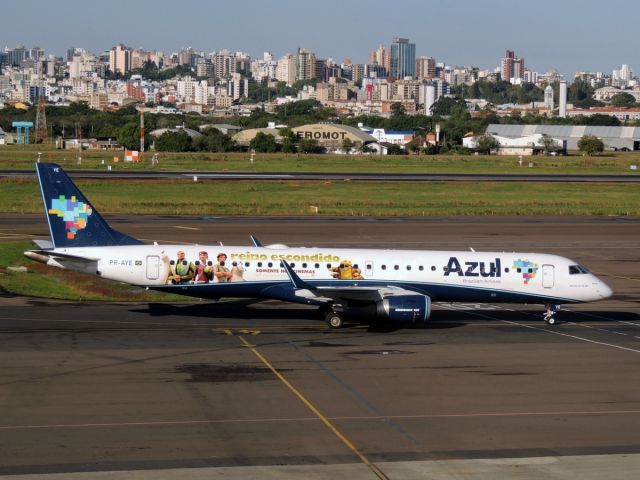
{"points": [[288, 140], [548, 143], [590, 144], [309, 145], [623, 99], [174, 142], [486, 143], [129, 136], [395, 149], [263, 142], [347, 145], [213, 140], [397, 109]]}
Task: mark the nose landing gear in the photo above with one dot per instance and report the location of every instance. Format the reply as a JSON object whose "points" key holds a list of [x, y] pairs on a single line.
{"points": [[549, 315]]}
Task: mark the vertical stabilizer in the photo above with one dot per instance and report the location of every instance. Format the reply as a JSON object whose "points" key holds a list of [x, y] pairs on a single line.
{"points": [[73, 221]]}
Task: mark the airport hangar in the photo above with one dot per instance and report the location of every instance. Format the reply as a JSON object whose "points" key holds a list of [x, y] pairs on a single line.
{"points": [[612, 137], [328, 135]]}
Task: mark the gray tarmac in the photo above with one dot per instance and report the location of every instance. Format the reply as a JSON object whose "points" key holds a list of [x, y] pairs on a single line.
{"points": [[247, 389]]}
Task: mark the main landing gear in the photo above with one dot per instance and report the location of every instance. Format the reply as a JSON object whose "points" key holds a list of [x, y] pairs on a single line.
{"points": [[549, 316], [334, 316]]}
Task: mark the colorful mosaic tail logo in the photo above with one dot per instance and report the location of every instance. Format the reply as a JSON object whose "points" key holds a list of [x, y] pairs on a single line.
{"points": [[74, 213], [527, 268]]}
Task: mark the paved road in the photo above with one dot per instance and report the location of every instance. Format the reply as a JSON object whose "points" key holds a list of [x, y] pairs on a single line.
{"points": [[158, 391], [350, 176]]}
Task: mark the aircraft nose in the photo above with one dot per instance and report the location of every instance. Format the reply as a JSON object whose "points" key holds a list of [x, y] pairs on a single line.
{"points": [[604, 290]]}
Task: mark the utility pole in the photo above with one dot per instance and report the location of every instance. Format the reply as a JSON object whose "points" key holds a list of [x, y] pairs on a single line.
{"points": [[142, 133]]}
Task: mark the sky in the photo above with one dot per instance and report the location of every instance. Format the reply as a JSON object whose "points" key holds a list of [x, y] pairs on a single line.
{"points": [[568, 35]]}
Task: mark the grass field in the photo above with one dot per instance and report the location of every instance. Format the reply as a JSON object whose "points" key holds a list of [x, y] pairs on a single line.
{"points": [[183, 197], [23, 157]]}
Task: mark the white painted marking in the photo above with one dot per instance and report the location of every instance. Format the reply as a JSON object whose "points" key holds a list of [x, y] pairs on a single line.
{"points": [[310, 419], [185, 228]]}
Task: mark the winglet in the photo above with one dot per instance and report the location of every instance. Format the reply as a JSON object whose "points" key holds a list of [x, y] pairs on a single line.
{"points": [[297, 282], [256, 242]]}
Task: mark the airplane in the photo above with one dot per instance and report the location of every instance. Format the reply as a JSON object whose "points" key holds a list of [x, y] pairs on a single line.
{"points": [[387, 285]]}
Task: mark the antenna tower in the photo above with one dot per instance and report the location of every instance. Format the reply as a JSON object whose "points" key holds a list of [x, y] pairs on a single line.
{"points": [[142, 133], [42, 135]]}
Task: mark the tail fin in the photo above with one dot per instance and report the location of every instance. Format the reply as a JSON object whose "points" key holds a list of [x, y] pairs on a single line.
{"points": [[73, 221]]}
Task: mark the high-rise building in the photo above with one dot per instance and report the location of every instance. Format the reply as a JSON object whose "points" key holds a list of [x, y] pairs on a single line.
{"points": [[225, 63], [120, 59], [305, 64], [425, 68], [204, 68], [403, 58], [380, 57], [286, 69], [15, 56], [512, 67]]}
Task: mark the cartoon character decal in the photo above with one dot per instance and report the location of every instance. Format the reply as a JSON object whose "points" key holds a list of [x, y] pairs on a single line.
{"points": [[346, 271]]}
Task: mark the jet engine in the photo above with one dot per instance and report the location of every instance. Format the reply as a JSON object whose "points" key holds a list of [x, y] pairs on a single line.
{"points": [[405, 308]]}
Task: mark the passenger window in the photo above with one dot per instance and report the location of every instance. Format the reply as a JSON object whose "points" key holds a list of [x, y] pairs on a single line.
{"points": [[421, 268], [317, 265], [408, 267], [519, 270], [369, 266], [506, 270], [396, 267], [247, 264], [446, 269], [304, 265], [433, 268], [270, 264], [293, 265], [329, 266], [530, 270], [259, 264], [384, 267]]}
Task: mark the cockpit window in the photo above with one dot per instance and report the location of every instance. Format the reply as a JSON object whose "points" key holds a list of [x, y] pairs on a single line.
{"points": [[577, 269]]}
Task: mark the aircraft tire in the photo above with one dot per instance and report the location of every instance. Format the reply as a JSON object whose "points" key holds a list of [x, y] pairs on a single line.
{"points": [[334, 320], [551, 321]]}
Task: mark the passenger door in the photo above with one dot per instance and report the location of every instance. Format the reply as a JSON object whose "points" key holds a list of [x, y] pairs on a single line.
{"points": [[548, 276], [153, 267]]}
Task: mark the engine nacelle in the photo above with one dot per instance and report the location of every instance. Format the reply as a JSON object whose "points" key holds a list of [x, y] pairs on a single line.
{"points": [[405, 308]]}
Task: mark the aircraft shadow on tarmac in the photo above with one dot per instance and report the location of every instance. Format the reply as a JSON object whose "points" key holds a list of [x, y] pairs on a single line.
{"points": [[251, 309], [256, 310]]}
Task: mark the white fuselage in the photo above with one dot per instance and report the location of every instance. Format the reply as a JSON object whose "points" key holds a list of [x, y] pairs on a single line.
{"points": [[442, 275]]}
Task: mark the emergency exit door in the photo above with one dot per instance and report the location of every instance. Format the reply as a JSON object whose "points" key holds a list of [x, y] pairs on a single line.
{"points": [[548, 276]]}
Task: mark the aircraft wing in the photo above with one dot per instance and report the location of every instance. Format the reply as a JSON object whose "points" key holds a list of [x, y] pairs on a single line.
{"points": [[345, 293]]}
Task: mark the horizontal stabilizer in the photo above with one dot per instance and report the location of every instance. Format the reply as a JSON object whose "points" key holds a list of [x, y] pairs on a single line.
{"points": [[53, 254], [44, 244]]}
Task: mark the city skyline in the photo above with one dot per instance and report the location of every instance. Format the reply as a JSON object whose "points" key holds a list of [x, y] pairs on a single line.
{"points": [[569, 38]]}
